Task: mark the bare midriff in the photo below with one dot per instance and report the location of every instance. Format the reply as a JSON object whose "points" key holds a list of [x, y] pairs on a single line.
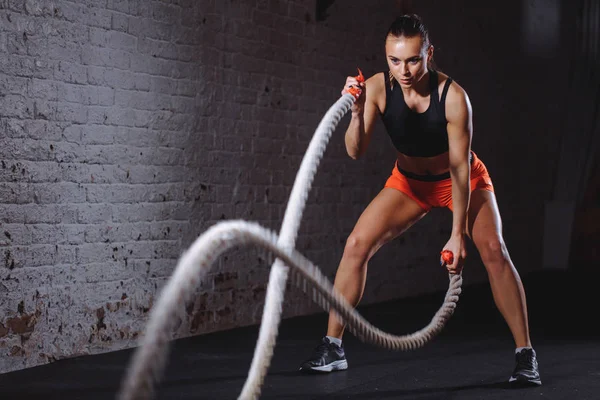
{"points": [[436, 165]]}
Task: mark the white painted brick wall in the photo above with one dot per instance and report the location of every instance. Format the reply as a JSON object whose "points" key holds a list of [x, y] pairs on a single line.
{"points": [[129, 127]]}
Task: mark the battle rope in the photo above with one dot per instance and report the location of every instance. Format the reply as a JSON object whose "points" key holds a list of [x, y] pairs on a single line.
{"points": [[149, 360]]}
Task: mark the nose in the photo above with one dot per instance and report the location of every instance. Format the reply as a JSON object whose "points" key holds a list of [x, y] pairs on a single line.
{"points": [[404, 68]]}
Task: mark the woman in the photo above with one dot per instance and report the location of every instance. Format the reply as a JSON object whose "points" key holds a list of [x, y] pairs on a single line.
{"points": [[428, 117]]}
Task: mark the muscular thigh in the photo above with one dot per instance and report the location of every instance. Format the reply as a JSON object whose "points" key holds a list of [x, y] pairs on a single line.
{"points": [[485, 223], [389, 214]]}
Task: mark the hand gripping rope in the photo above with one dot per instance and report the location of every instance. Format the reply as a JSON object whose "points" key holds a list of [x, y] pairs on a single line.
{"points": [[147, 365]]}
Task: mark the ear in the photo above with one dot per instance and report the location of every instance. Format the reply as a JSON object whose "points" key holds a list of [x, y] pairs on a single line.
{"points": [[430, 54]]}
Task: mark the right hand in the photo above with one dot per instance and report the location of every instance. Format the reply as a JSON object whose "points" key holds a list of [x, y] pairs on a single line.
{"points": [[359, 104]]}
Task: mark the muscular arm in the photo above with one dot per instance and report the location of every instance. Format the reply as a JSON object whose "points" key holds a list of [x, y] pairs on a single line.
{"points": [[460, 132], [360, 129]]}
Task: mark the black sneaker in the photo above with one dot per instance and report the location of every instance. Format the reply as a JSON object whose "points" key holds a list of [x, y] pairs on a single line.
{"points": [[327, 357], [526, 372]]}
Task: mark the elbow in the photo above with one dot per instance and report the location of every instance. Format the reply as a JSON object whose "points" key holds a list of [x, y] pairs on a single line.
{"points": [[460, 165], [460, 171], [354, 153], [354, 156]]}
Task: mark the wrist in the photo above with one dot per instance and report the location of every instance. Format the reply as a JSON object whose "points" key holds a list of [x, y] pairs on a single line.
{"points": [[457, 233], [357, 114]]}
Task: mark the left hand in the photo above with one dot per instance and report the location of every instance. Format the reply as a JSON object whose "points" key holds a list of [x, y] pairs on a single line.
{"points": [[456, 245]]}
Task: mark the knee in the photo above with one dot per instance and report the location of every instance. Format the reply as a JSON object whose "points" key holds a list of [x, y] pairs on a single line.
{"points": [[494, 254], [357, 249]]}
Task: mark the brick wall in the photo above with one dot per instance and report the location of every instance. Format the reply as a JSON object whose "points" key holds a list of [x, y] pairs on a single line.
{"points": [[129, 127]]}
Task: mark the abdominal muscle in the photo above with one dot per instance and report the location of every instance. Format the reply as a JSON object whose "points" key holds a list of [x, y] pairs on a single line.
{"points": [[436, 165]]}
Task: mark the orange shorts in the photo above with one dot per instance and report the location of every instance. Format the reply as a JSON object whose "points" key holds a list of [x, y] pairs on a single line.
{"points": [[436, 190]]}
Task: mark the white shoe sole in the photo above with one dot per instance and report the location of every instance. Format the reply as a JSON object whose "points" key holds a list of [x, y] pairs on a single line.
{"points": [[339, 365], [525, 381]]}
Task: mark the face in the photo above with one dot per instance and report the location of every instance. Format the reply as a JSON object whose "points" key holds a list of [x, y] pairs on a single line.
{"points": [[407, 59]]}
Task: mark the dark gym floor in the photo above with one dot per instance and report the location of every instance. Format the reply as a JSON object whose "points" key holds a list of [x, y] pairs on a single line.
{"points": [[472, 358]]}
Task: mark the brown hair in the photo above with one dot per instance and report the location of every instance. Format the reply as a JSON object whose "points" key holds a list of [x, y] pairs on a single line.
{"points": [[409, 25]]}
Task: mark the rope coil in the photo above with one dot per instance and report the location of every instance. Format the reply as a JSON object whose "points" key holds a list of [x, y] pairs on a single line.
{"points": [[148, 363]]}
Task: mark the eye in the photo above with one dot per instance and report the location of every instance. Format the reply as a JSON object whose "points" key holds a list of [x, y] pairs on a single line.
{"points": [[394, 61], [414, 61]]}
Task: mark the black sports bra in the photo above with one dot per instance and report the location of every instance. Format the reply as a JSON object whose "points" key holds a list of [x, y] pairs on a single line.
{"points": [[417, 134]]}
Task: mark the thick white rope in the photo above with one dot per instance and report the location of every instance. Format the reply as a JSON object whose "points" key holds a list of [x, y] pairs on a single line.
{"points": [[287, 239], [149, 360]]}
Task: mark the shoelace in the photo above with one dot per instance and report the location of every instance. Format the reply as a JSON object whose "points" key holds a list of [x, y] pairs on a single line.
{"points": [[525, 360], [322, 349]]}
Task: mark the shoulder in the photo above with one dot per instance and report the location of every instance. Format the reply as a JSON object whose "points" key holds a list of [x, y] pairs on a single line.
{"points": [[456, 93], [376, 82], [457, 99]]}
